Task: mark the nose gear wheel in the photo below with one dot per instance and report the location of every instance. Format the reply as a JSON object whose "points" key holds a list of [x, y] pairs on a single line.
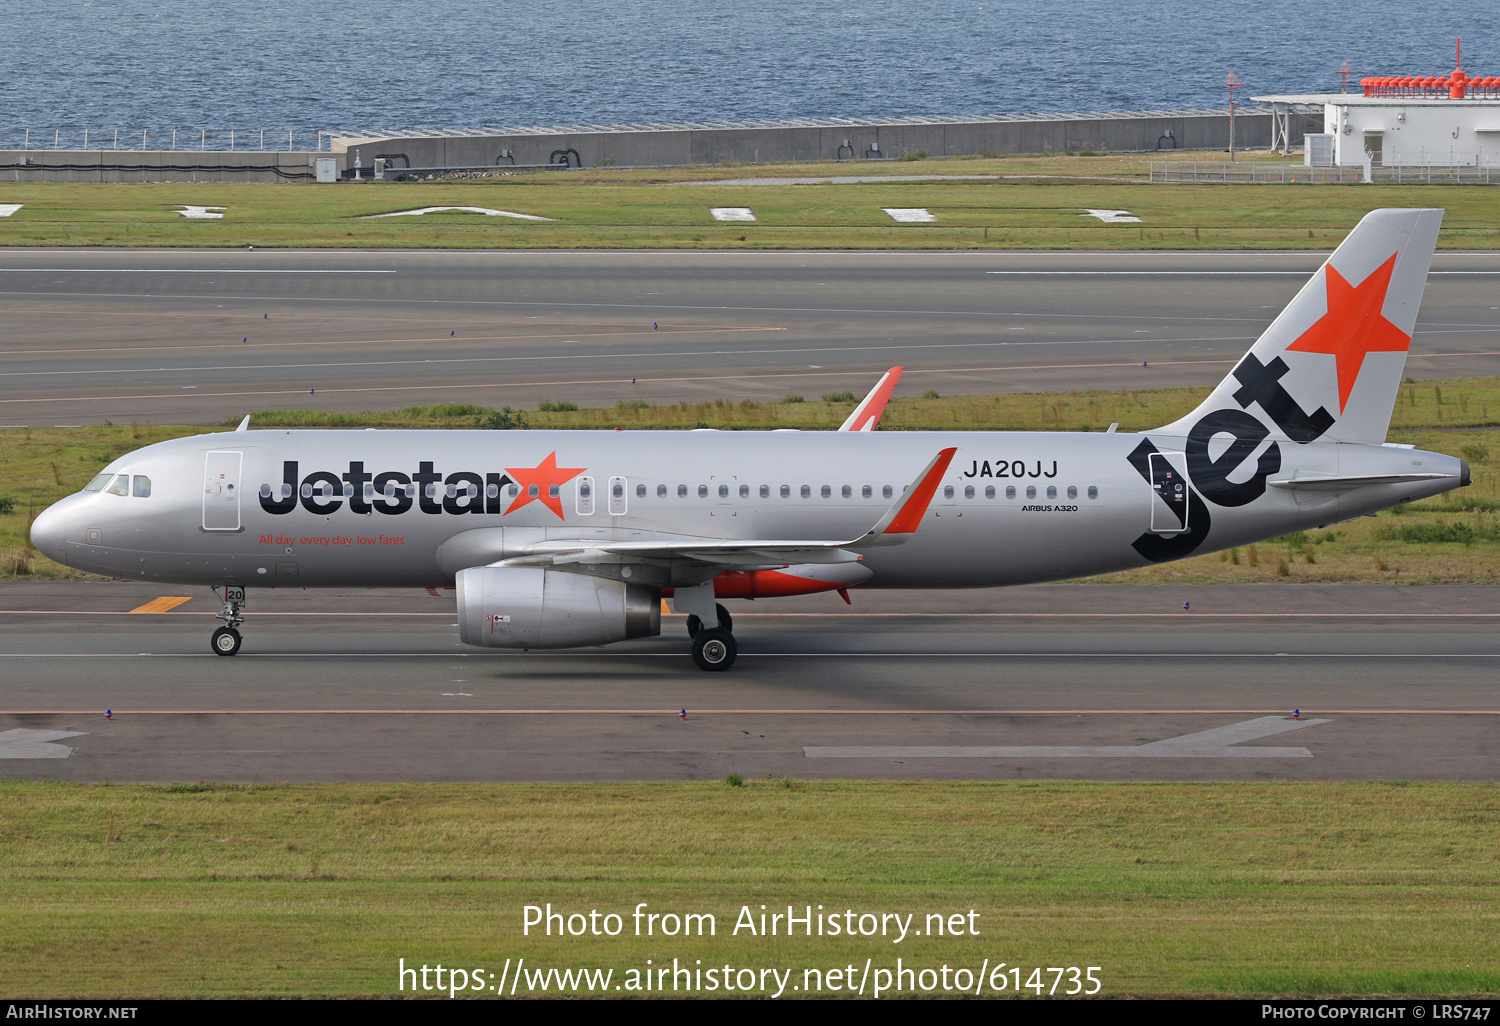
{"points": [[225, 641]]}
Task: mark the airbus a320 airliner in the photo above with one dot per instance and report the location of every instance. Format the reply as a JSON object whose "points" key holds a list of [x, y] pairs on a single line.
{"points": [[557, 539]]}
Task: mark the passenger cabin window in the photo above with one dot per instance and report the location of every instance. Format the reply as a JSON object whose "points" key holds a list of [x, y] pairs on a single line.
{"points": [[661, 491], [723, 491], [786, 491], [640, 491], [682, 491], [1072, 491], [806, 492], [968, 491], [765, 491], [989, 491], [1010, 491], [744, 491], [1093, 491], [825, 491], [1031, 491], [703, 491], [847, 491], [97, 483], [947, 491], [885, 492], [1052, 491], [119, 486]]}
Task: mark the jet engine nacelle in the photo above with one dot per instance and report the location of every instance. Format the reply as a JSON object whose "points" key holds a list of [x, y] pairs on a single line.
{"points": [[534, 607]]}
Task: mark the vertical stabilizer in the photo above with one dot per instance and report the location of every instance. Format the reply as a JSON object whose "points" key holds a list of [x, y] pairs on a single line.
{"points": [[1330, 365]]}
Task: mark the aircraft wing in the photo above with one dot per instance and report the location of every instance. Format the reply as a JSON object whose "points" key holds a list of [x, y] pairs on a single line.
{"points": [[898, 524], [867, 414]]}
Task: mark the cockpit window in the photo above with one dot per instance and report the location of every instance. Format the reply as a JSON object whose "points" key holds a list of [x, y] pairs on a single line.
{"points": [[119, 486], [98, 483], [142, 486]]}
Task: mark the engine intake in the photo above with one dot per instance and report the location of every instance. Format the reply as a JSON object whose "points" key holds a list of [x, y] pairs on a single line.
{"points": [[534, 607]]}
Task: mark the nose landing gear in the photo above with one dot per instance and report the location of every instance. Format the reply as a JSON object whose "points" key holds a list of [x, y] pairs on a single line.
{"points": [[225, 641]]}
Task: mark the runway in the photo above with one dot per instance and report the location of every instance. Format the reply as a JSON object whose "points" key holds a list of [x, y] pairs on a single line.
{"points": [[196, 337], [1055, 681]]}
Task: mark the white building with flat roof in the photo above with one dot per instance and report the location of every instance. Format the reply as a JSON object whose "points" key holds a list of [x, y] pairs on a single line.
{"points": [[1398, 121]]}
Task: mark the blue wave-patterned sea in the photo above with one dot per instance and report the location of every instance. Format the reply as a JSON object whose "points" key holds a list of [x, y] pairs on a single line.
{"points": [[373, 64]]}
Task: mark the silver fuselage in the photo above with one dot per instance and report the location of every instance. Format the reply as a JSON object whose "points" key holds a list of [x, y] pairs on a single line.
{"points": [[1083, 503]]}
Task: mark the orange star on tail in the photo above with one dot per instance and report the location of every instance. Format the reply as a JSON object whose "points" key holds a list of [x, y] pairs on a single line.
{"points": [[542, 477], [1353, 326]]}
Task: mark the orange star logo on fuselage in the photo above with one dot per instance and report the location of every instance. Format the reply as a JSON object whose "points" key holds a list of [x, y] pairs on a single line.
{"points": [[1354, 326], [542, 477]]}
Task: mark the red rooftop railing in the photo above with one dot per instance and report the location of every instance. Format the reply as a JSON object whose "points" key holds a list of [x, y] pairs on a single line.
{"points": [[1455, 86]]}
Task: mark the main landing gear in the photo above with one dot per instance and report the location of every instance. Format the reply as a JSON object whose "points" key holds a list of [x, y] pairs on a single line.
{"points": [[714, 648], [226, 640]]}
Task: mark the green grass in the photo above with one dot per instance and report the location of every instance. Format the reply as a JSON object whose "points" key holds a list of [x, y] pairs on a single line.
{"points": [[1452, 539], [669, 209], [1208, 889]]}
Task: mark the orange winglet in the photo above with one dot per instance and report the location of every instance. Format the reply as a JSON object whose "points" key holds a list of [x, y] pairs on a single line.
{"points": [[912, 510], [867, 414]]}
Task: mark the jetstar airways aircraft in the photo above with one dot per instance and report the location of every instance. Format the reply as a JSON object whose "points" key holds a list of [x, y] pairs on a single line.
{"points": [[567, 538]]}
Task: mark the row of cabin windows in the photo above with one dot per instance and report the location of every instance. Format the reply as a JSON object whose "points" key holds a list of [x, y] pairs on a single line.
{"points": [[1010, 491], [866, 491], [120, 484]]}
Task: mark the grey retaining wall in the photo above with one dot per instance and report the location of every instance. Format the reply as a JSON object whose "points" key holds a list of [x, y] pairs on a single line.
{"points": [[157, 165], [781, 144], [790, 143]]}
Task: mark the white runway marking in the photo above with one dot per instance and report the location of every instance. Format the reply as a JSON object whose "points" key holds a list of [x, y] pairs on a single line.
{"points": [[910, 215], [732, 213], [24, 743], [486, 211], [1112, 216], [202, 213], [1205, 744], [6, 209]]}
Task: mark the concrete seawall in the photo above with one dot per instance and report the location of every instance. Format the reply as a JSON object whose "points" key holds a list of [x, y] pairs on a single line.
{"points": [[157, 165], [648, 146], [793, 143]]}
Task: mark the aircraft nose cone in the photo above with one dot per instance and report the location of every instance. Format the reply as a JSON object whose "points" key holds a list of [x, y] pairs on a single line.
{"points": [[49, 532]]}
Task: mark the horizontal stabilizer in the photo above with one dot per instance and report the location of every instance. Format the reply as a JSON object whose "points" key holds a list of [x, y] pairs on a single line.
{"points": [[1332, 483]]}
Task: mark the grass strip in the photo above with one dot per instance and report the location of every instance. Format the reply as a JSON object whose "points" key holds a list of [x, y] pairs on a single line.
{"points": [[1040, 206], [1356, 889]]}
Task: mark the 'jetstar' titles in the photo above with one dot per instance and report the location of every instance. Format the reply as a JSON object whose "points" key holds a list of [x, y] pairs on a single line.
{"points": [[390, 492]]}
